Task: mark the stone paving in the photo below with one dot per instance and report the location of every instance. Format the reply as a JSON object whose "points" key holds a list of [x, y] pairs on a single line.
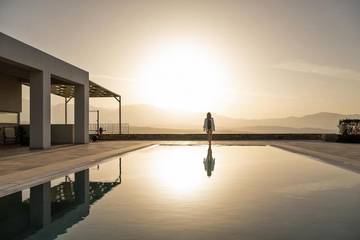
{"points": [[26, 169]]}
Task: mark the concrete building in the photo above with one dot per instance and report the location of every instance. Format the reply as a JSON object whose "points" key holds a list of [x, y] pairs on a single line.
{"points": [[45, 74]]}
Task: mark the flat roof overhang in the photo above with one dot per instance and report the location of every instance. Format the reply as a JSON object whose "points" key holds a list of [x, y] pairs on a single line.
{"points": [[68, 91], [20, 60], [60, 87]]}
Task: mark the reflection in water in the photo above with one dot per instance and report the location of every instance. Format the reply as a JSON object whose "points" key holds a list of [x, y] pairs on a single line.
{"points": [[99, 188], [256, 193], [177, 173], [65, 210], [209, 162], [14, 215], [68, 217]]}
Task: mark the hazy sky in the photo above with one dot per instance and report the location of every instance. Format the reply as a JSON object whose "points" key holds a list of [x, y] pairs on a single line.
{"points": [[247, 59]]}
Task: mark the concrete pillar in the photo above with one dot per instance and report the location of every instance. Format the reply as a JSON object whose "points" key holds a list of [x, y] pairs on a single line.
{"points": [[82, 113], [82, 187], [40, 205], [40, 129]]}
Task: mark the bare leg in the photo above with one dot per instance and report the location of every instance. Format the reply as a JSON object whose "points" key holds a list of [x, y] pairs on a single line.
{"points": [[210, 138], [208, 135]]}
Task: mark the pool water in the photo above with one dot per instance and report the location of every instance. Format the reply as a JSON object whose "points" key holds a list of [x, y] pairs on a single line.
{"points": [[228, 192]]}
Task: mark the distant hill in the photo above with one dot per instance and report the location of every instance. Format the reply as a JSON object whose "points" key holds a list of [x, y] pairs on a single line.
{"points": [[255, 129], [150, 119]]}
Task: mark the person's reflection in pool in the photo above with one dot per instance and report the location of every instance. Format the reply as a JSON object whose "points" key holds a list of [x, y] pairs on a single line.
{"points": [[209, 162]]}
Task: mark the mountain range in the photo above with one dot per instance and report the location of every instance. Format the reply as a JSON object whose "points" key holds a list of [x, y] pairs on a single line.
{"points": [[149, 119]]}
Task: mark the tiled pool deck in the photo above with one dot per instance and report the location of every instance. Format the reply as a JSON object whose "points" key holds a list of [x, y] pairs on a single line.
{"points": [[21, 168]]}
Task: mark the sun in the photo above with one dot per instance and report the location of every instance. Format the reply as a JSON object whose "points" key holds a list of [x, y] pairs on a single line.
{"points": [[184, 76]]}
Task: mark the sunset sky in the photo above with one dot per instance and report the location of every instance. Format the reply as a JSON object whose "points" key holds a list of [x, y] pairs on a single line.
{"points": [[248, 59]]}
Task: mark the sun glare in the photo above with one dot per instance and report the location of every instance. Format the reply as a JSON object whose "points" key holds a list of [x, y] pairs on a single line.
{"points": [[179, 173], [184, 76]]}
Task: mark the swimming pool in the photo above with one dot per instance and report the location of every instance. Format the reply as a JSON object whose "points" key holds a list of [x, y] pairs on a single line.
{"points": [[228, 192]]}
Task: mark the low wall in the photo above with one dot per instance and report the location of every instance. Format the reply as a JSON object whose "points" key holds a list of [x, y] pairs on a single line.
{"points": [[218, 137], [62, 133]]}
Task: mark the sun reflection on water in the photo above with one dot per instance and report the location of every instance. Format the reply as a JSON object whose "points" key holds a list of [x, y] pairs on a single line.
{"points": [[180, 173]]}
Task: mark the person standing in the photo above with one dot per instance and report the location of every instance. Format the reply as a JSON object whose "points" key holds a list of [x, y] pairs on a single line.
{"points": [[209, 126]]}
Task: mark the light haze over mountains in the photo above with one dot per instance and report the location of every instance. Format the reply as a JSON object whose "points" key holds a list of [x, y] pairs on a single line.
{"points": [[149, 119]]}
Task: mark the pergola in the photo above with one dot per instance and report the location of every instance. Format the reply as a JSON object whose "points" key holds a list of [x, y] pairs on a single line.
{"points": [[67, 91]]}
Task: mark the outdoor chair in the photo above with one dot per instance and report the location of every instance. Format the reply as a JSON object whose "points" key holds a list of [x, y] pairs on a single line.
{"points": [[9, 135]]}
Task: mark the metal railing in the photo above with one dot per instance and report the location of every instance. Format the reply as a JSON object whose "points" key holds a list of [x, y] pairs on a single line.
{"points": [[109, 128]]}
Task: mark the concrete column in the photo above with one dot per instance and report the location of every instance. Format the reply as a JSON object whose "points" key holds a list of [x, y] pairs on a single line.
{"points": [[82, 113], [40, 129], [82, 187], [40, 205]]}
